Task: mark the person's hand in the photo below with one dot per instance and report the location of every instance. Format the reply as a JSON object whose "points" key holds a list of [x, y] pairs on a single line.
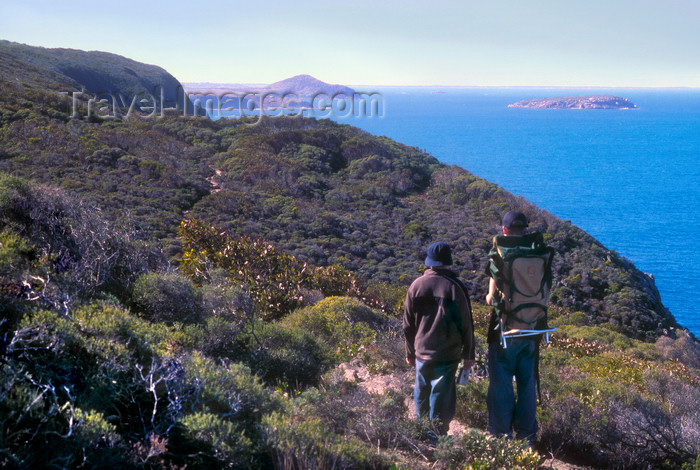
{"points": [[468, 363], [411, 361], [489, 297]]}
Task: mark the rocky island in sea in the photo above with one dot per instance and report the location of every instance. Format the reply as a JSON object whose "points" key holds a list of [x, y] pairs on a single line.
{"points": [[576, 102]]}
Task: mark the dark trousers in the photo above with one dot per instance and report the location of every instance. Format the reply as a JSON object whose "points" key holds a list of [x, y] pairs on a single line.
{"points": [[435, 392], [506, 414]]}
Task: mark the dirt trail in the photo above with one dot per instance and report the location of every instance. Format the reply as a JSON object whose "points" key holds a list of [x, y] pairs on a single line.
{"points": [[378, 384], [356, 372], [215, 186]]}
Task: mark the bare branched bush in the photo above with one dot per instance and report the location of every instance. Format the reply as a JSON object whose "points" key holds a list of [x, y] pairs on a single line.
{"points": [[79, 249], [644, 435]]}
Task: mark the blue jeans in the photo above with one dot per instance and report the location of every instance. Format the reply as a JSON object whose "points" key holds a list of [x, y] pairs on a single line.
{"points": [[435, 392], [506, 414]]}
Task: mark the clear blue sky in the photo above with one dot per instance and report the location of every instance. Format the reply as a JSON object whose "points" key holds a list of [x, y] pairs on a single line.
{"points": [[474, 43]]}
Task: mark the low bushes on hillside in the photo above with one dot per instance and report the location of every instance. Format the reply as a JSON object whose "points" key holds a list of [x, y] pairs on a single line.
{"points": [[277, 282], [106, 389], [345, 323], [615, 402], [167, 298]]}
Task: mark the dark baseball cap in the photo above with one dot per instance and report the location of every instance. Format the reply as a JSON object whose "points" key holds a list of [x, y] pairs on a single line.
{"points": [[439, 254], [514, 219]]}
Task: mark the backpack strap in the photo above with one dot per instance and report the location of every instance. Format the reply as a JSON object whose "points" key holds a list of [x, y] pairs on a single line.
{"points": [[495, 268]]}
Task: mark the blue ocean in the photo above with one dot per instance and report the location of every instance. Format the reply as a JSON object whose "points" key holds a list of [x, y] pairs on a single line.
{"points": [[630, 178]]}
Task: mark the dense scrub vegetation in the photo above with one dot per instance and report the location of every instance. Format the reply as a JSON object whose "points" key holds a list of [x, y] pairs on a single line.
{"points": [[180, 293], [324, 193], [176, 369]]}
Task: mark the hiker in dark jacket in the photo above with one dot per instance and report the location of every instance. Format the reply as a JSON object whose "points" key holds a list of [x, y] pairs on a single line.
{"points": [[439, 334], [506, 414]]}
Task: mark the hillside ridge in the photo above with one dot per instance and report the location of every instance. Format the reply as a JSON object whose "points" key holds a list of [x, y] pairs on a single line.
{"points": [[95, 73]]}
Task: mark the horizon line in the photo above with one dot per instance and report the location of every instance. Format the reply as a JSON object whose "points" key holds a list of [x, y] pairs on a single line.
{"points": [[578, 87]]}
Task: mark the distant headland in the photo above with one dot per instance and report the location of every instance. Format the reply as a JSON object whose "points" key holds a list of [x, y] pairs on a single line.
{"points": [[577, 102], [303, 90], [304, 86]]}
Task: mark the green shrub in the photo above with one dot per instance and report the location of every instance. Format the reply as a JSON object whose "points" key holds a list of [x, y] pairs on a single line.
{"points": [[303, 441], [113, 333], [558, 319], [221, 440], [477, 450], [626, 370], [218, 338], [344, 323], [16, 254], [167, 298], [95, 441], [227, 403], [32, 418], [228, 390], [47, 373], [471, 403], [292, 358], [600, 334]]}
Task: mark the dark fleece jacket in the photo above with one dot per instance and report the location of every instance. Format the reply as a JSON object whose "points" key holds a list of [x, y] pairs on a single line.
{"points": [[437, 318]]}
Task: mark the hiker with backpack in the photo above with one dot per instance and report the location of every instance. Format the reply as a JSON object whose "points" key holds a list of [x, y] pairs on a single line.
{"points": [[439, 334], [520, 279]]}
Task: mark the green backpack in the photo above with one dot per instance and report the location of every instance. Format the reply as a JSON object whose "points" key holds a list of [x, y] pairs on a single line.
{"points": [[522, 269]]}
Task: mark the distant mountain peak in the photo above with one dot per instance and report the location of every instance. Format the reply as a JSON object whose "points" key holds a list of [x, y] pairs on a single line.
{"points": [[306, 85], [303, 78]]}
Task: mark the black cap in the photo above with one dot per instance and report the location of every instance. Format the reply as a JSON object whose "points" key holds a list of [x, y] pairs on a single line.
{"points": [[514, 219], [439, 254]]}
